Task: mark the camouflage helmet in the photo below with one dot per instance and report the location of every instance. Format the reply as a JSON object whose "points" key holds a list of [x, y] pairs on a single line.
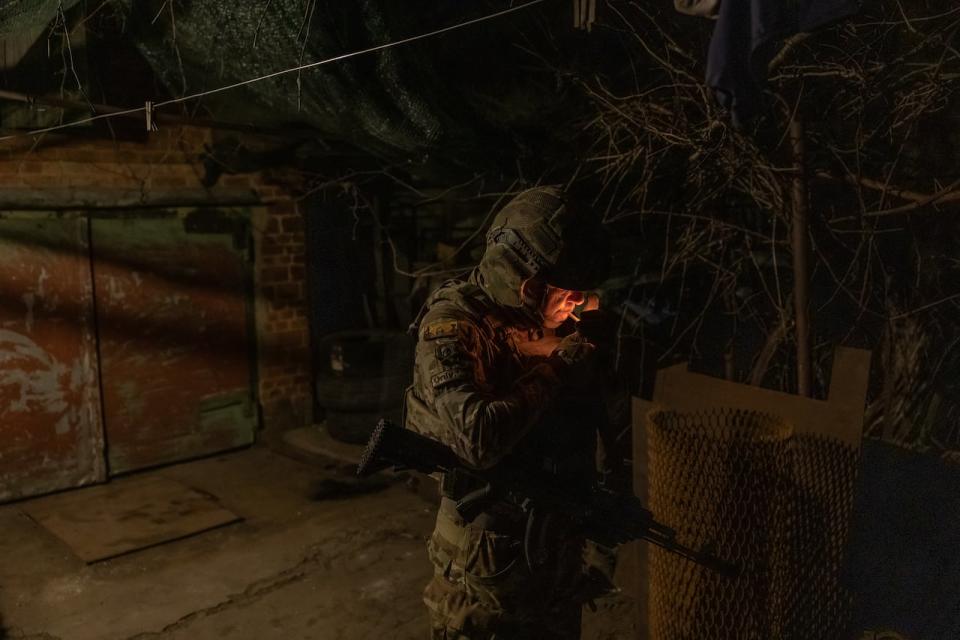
{"points": [[542, 233]]}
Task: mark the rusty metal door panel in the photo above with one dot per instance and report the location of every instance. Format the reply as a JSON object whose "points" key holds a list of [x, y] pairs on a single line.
{"points": [[51, 434], [175, 336]]}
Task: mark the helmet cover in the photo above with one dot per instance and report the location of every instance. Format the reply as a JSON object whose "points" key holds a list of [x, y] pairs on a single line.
{"points": [[541, 233]]}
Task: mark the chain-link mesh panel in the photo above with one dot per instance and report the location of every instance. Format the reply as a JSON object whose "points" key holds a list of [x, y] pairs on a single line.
{"points": [[776, 504], [714, 478], [823, 475]]}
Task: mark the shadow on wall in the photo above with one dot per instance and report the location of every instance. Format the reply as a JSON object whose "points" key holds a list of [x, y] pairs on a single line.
{"points": [[904, 566]]}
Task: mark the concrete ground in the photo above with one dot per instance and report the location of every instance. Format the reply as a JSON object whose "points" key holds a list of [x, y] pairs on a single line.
{"points": [[307, 562]]}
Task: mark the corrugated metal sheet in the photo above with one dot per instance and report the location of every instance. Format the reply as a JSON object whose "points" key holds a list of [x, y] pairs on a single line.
{"points": [[51, 435], [175, 336]]}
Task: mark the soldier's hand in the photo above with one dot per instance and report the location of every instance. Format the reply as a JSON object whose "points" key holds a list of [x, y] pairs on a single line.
{"points": [[572, 358], [573, 350], [541, 348]]}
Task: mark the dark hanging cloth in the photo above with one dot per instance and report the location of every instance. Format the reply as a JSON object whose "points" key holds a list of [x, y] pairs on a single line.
{"points": [[745, 39]]}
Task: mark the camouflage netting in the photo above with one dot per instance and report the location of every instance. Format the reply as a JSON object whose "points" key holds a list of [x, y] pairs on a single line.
{"points": [[775, 503], [18, 16], [456, 95]]}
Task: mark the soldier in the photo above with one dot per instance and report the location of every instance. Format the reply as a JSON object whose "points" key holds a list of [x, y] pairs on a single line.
{"points": [[495, 381]]}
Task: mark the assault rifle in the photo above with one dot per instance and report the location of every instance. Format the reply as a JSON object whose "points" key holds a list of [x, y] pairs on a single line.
{"points": [[601, 515]]}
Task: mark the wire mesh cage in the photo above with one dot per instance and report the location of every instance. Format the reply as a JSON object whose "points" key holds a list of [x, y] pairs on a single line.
{"points": [[775, 503]]}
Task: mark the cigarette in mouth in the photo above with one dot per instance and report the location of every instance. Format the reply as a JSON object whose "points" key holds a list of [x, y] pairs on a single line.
{"points": [[591, 302]]}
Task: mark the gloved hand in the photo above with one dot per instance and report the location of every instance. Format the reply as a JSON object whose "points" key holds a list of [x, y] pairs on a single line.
{"points": [[596, 578], [594, 585], [572, 359], [573, 350]]}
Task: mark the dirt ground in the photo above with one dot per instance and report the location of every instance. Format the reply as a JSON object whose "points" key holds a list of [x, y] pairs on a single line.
{"points": [[306, 562]]}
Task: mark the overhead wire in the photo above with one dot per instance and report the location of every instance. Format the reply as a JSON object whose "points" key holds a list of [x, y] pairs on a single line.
{"points": [[298, 68]]}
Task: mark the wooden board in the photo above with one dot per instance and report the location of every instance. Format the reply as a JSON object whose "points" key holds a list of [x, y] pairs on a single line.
{"points": [[127, 515], [840, 416]]}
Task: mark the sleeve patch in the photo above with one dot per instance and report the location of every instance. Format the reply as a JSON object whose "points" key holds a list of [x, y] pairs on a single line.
{"points": [[442, 329], [450, 353], [447, 376]]}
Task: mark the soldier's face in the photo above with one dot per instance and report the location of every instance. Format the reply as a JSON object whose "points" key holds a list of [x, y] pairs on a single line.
{"points": [[558, 304]]}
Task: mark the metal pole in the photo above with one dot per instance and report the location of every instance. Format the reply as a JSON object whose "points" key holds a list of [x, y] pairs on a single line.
{"points": [[800, 242]]}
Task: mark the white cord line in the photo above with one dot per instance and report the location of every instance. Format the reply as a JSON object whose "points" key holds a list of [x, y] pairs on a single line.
{"points": [[310, 65], [36, 132]]}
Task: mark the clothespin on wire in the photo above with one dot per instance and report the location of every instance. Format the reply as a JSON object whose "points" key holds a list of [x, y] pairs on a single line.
{"points": [[584, 14], [148, 113]]}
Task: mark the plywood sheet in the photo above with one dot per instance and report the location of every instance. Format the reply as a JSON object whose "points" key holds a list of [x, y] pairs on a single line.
{"points": [[840, 416], [127, 515]]}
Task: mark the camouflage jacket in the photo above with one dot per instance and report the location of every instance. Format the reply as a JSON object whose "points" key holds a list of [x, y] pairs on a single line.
{"points": [[472, 389]]}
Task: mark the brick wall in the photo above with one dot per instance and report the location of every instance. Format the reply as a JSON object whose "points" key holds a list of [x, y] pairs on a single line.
{"points": [[285, 393], [169, 159], [69, 172]]}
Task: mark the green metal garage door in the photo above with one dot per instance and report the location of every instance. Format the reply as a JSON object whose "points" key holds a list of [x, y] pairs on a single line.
{"points": [[174, 319]]}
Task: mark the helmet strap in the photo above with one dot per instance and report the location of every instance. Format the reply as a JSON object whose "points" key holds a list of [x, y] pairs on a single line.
{"points": [[533, 295]]}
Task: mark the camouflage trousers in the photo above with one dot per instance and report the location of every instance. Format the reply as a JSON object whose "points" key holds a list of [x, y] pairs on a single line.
{"points": [[483, 588]]}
